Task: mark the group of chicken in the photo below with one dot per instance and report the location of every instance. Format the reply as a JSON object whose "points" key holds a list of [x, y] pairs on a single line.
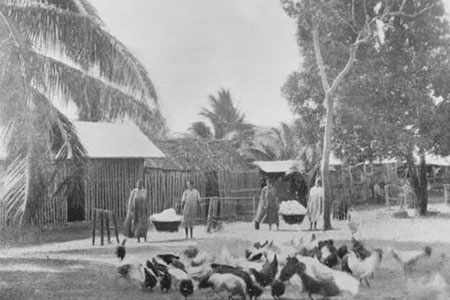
{"points": [[314, 267]]}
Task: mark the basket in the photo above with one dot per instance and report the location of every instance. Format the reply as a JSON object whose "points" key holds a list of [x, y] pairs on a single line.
{"points": [[293, 219], [167, 226]]}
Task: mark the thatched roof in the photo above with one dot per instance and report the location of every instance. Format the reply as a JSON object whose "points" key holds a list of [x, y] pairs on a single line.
{"points": [[198, 155]]}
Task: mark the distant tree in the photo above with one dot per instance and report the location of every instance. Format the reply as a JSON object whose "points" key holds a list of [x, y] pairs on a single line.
{"points": [[201, 130], [227, 121]]}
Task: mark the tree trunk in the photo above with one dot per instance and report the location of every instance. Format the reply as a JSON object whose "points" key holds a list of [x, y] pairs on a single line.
{"points": [[423, 185], [326, 163]]}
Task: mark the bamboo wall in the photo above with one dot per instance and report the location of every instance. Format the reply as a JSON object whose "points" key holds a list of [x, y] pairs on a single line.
{"points": [[109, 183], [166, 187], [239, 184]]}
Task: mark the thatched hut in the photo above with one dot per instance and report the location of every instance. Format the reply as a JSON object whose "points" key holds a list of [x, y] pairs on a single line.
{"points": [[215, 166]]}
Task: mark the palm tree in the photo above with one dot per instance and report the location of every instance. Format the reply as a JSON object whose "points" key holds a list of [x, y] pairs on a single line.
{"points": [[226, 120], [52, 51], [281, 143]]}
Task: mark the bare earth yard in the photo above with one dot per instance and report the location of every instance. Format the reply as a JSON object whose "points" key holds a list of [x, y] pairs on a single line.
{"points": [[77, 270]]}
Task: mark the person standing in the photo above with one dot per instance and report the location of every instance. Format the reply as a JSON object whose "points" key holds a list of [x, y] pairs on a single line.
{"points": [[315, 204], [136, 222], [268, 207], [189, 203]]}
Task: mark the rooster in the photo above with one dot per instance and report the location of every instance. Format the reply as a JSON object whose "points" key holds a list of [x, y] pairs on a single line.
{"points": [[318, 278], [409, 258], [267, 274], [121, 251], [360, 249], [362, 268]]}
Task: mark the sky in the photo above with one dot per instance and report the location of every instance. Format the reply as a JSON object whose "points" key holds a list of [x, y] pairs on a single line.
{"points": [[193, 48]]}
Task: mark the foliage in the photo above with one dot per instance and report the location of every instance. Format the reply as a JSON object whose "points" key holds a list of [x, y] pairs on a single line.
{"points": [[337, 37], [226, 120], [201, 130], [59, 51]]}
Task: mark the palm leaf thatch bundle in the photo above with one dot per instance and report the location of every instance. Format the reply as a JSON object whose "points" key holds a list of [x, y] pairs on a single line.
{"points": [[54, 51]]}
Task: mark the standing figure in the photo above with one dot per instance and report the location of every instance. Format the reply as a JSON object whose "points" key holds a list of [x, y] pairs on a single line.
{"points": [[268, 207], [136, 222], [189, 203], [315, 204]]}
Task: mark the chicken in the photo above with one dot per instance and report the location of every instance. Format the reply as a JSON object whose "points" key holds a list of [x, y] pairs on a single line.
{"points": [[201, 258], [409, 258], [121, 251], [253, 289], [186, 288], [360, 249], [160, 266], [278, 288], [178, 276], [426, 287], [267, 274], [132, 272], [191, 252], [166, 281], [153, 268], [228, 283], [318, 278], [362, 268], [150, 280], [258, 245], [328, 254], [168, 258], [354, 221]]}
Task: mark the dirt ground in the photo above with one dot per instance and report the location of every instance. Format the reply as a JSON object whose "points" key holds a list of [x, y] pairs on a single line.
{"points": [[78, 270]]}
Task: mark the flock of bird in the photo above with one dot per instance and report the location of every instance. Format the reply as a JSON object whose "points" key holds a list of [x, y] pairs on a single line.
{"points": [[314, 267]]}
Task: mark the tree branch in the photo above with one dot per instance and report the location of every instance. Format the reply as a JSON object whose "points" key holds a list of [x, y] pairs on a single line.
{"points": [[403, 14], [319, 59]]}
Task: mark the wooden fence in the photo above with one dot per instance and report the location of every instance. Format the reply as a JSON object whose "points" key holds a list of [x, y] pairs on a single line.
{"points": [[239, 184], [165, 187]]}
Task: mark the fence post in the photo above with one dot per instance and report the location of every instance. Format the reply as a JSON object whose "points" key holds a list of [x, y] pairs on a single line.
{"points": [[101, 229], [107, 227], [93, 226]]}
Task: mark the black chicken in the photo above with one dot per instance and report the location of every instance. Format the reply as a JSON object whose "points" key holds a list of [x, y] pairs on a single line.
{"points": [[278, 289], [267, 274], [150, 280], [168, 258], [159, 266], [152, 267], [121, 251], [361, 251], [166, 281], [186, 288]]}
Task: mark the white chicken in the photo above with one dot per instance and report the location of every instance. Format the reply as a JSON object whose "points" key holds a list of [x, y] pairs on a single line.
{"points": [[427, 287], [409, 258], [362, 268], [316, 270], [354, 221], [227, 283]]}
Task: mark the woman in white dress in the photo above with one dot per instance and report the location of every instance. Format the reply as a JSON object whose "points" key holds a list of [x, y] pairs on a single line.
{"points": [[315, 204]]}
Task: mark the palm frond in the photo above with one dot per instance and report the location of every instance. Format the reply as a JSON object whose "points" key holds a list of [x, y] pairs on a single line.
{"points": [[77, 39]]}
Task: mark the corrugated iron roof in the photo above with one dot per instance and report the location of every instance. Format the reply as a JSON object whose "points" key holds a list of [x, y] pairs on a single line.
{"points": [[115, 140], [279, 166]]}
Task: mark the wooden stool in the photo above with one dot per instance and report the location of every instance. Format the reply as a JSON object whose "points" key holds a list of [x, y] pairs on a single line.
{"points": [[104, 216]]}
